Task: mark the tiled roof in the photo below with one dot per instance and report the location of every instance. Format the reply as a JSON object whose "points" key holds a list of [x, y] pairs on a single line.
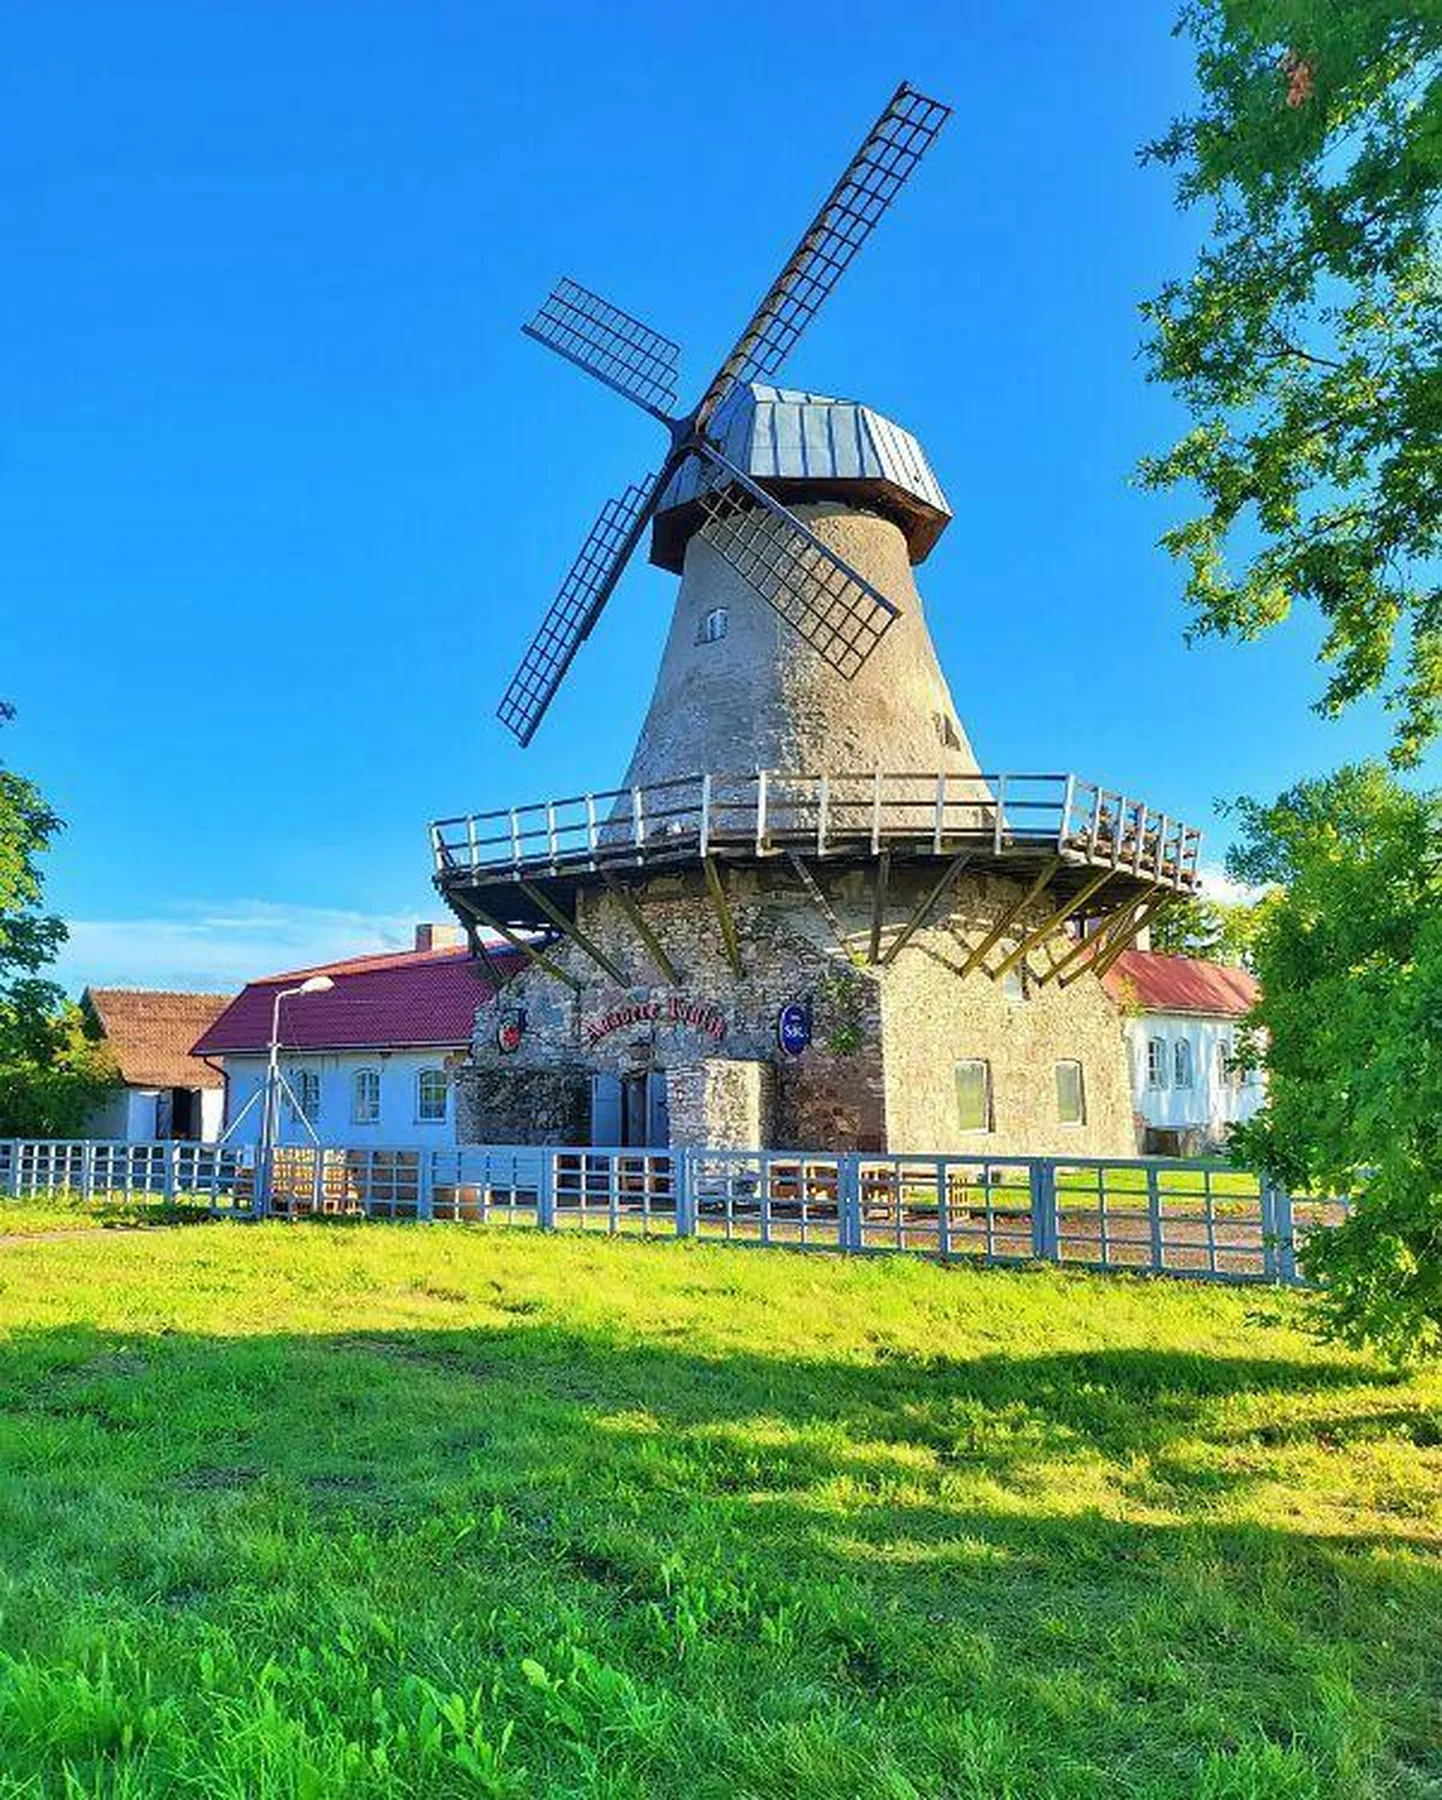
{"points": [[150, 1034], [1180, 984], [389, 1001]]}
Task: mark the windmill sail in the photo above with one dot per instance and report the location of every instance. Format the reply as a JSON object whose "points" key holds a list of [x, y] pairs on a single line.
{"points": [[873, 178], [572, 613], [609, 344], [839, 613], [833, 607]]}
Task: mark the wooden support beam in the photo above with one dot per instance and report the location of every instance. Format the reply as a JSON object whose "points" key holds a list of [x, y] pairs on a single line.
{"points": [[654, 947], [822, 904], [879, 885], [1125, 939], [1043, 931], [922, 912], [1012, 912], [474, 942], [1099, 940], [568, 928], [717, 890], [539, 958]]}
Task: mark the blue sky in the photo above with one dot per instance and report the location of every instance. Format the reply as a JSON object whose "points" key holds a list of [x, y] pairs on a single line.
{"points": [[285, 491]]}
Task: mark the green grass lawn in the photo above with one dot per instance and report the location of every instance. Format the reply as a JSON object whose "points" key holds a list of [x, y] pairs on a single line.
{"points": [[365, 1510]]}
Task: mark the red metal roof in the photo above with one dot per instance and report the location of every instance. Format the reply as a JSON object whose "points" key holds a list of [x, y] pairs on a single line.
{"points": [[1180, 984], [400, 998]]}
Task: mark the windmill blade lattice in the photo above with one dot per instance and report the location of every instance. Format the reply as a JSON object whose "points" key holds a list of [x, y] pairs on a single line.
{"points": [[892, 149], [609, 344], [839, 613], [572, 613]]}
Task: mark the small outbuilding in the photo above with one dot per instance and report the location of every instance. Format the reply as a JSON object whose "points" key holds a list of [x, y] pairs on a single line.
{"points": [[165, 1091]]}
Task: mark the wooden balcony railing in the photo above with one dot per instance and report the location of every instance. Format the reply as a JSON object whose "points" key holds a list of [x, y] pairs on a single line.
{"points": [[769, 812]]}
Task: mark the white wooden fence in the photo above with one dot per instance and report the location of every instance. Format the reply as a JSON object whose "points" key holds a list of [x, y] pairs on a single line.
{"points": [[1146, 1214]]}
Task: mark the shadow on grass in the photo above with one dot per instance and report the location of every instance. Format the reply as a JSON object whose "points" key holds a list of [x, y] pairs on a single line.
{"points": [[918, 1524]]}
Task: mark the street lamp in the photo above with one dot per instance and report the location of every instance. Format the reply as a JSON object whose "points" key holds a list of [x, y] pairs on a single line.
{"points": [[270, 1113]]}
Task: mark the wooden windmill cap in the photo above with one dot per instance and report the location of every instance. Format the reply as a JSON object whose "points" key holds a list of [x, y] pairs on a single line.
{"points": [[803, 447]]}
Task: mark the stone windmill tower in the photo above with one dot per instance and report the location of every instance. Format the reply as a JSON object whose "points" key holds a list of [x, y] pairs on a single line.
{"points": [[806, 917]]}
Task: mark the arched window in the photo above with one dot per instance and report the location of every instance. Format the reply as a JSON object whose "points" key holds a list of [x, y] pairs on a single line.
{"points": [[366, 1097], [1182, 1063], [305, 1087], [1156, 1062], [432, 1096], [713, 626]]}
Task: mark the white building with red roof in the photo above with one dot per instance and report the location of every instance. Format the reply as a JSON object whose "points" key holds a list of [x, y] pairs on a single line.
{"points": [[369, 1060], [1181, 1018]]}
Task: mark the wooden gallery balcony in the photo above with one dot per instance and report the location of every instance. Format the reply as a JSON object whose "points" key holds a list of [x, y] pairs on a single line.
{"points": [[1069, 830]]}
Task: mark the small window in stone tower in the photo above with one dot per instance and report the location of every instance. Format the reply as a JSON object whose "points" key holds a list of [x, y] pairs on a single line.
{"points": [[946, 730], [1071, 1106], [713, 626], [973, 1095]]}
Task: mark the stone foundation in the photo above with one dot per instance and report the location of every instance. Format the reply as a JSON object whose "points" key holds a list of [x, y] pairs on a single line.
{"points": [[879, 1073]]}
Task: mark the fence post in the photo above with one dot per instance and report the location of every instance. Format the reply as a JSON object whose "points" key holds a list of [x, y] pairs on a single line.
{"points": [[1154, 1219], [685, 1194], [12, 1167], [848, 1202], [87, 1172], [1267, 1222], [1285, 1224], [168, 1180], [426, 1185], [546, 1194], [1045, 1226]]}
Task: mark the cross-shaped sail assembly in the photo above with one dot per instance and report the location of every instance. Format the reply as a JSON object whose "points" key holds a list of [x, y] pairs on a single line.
{"points": [[834, 608]]}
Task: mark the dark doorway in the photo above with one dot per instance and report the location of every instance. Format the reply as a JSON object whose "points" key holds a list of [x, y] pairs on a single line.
{"points": [[629, 1111]]}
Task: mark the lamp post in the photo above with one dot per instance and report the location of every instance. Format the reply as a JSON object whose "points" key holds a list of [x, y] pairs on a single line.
{"points": [[270, 1113]]}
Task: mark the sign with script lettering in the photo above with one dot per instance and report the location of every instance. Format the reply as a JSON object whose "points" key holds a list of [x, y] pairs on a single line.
{"points": [[675, 1013]]}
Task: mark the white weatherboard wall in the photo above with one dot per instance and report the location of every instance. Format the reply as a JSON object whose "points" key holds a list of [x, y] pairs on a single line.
{"points": [[336, 1123], [1212, 1103]]}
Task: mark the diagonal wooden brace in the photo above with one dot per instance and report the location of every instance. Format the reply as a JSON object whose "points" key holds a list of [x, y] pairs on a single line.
{"points": [[1049, 925], [923, 910]]}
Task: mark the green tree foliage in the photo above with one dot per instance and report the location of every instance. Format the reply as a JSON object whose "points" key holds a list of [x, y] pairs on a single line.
{"points": [[1306, 342], [1219, 930], [51, 1070], [1350, 959]]}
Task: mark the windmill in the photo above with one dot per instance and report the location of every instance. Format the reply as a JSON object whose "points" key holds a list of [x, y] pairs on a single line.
{"points": [[837, 610], [802, 818]]}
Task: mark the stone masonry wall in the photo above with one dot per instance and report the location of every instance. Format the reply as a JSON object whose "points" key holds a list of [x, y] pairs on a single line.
{"points": [[879, 1073], [722, 1102]]}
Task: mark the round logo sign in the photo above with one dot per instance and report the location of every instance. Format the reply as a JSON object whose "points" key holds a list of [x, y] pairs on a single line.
{"points": [[793, 1027], [508, 1034]]}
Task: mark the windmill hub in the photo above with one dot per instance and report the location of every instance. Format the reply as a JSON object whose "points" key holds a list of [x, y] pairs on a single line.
{"points": [[797, 447]]}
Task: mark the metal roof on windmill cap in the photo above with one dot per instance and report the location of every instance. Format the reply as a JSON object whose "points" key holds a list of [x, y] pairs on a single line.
{"points": [[802, 446]]}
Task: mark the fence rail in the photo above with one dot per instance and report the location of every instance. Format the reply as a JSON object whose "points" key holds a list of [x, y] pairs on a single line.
{"points": [[769, 811], [1144, 1214]]}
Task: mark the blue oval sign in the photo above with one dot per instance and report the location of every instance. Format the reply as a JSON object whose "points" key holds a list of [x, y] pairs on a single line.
{"points": [[793, 1027]]}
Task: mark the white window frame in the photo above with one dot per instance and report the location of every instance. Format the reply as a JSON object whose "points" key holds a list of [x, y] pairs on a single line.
{"points": [[1183, 1074], [432, 1118], [1157, 1063], [1071, 1062], [358, 1116], [987, 1104], [714, 625]]}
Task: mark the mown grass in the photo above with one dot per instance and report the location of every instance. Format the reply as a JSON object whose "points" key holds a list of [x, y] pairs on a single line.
{"points": [[365, 1510]]}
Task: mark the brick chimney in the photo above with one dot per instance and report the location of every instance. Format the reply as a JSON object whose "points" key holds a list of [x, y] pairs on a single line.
{"points": [[439, 937]]}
